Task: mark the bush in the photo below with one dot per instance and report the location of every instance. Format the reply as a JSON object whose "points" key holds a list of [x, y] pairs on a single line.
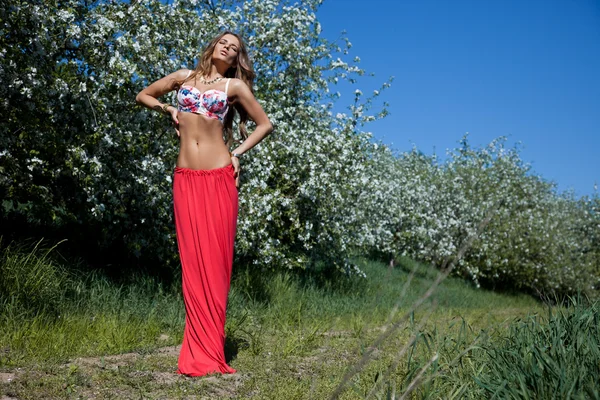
{"points": [[547, 358], [78, 160], [30, 281]]}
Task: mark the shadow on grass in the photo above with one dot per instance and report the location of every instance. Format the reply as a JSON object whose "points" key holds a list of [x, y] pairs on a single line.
{"points": [[233, 344], [261, 287]]}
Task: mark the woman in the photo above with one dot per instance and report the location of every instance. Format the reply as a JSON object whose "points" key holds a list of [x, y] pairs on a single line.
{"points": [[205, 187]]}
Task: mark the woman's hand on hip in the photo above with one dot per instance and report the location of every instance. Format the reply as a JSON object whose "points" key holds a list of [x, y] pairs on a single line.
{"points": [[236, 170], [174, 119]]}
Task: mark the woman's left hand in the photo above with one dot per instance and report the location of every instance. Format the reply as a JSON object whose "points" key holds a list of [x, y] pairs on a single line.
{"points": [[236, 170]]}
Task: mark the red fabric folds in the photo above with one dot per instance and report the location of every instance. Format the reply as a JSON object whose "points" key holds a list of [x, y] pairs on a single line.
{"points": [[206, 208]]}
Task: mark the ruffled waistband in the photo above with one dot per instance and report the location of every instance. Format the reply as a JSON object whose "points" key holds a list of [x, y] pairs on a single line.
{"points": [[203, 172]]}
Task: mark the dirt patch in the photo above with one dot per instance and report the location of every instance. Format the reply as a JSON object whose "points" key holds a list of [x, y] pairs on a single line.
{"points": [[220, 386], [226, 386], [168, 351], [165, 378], [124, 376], [116, 361], [160, 377], [7, 377], [120, 360]]}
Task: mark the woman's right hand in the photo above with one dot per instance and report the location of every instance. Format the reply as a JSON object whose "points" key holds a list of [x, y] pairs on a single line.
{"points": [[173, 111]]}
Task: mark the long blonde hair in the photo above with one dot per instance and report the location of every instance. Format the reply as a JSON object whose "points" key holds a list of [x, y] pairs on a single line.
{"points": [[241, 70]]}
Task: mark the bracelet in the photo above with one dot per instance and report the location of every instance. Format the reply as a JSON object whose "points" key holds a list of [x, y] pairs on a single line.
{"points": [[165, 109], [237, 155]]}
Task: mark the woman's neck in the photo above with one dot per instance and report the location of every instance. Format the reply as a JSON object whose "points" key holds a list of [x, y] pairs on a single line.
{"points": [[218, 70]]}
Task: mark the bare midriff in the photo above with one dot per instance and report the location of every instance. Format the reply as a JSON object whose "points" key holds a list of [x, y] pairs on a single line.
{"points": [[201, 144]]}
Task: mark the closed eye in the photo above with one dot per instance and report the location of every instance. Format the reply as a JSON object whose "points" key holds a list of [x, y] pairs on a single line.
{"points": [[232, 46]]}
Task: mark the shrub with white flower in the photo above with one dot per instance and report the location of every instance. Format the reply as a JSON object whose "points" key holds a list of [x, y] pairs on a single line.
{"points": [[536, 240], [80, 160]]}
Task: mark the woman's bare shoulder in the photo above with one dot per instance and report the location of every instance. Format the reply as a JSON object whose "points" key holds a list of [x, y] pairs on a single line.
{"points": [[182, 73], [179, 75], [237, 86]]}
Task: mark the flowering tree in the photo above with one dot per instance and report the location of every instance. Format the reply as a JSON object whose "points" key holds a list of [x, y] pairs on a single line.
{"points": [[78, 158], [536, 240]]}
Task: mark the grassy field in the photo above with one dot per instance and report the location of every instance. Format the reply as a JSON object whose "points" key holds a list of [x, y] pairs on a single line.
{"points": [[288, 339]]}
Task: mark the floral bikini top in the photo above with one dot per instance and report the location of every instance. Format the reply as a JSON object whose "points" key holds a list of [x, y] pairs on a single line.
{"points": [[211, 103]]}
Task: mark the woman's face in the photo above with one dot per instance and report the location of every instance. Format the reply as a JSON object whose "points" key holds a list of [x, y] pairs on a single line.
{"points": [[227, 49]]}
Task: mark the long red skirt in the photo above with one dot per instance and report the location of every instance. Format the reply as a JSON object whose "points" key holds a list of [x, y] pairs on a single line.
{"points": [[206, 208]]}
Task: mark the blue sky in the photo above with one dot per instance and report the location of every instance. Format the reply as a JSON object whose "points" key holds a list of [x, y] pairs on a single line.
{"points": [[528, 70]]}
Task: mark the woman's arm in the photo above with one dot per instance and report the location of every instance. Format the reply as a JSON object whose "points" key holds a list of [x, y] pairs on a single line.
{"points": [[240, 93], [148, 97]]}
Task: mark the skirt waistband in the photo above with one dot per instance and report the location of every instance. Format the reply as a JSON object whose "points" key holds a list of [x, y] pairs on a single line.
{"points": [[203, 172]]}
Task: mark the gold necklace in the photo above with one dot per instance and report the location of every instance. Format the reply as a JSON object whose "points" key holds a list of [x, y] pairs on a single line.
{"points": [[205, 82]]}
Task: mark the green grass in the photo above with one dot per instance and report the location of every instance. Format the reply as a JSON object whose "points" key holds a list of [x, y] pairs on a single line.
{"points": [[48, 315], [552, 356], [288, 338]]}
